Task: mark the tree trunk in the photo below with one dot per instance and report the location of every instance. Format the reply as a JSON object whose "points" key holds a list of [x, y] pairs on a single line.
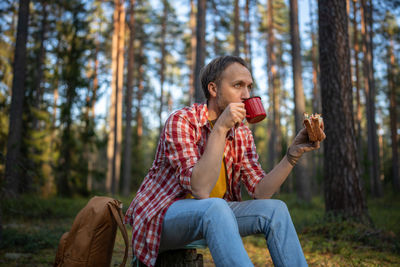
{"points": [[139, 118], [393, 116], [316, 103], [302, 177], [236, 31], [357, 85], [216, 23], [192, 51], [247, 38], [200, 48], [369, 83], [128, 105], [13, 160], [114, 140], [92, 153], [274, 143], [39, 65], [162, 65], [342, 186]]}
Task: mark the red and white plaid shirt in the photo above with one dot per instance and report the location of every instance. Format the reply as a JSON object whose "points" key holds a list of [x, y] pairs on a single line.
{"points": [[181, 145]]}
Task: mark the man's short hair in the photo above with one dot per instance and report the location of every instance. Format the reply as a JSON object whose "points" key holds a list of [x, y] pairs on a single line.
{"points": [[212, 71]]}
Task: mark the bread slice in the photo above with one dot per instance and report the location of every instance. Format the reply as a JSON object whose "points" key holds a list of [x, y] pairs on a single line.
{"points": [[313, 124]]}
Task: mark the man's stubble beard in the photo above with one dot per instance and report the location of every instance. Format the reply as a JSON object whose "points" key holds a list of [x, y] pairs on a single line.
{"points": [[221, 103]]}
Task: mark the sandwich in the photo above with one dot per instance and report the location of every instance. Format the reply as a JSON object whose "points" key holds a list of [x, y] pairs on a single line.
{"points": [[313, 123]]}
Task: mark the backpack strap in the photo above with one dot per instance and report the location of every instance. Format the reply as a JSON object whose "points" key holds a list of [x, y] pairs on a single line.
{"points": [[117, 213]]}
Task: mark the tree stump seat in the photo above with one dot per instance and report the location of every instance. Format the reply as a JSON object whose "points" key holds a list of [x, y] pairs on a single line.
{"points": [[184, 257]]}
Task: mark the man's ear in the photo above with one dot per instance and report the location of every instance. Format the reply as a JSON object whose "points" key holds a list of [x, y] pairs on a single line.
{"points": [[212, 89]]}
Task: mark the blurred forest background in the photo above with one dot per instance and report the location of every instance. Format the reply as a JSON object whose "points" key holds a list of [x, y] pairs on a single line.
{"points": [[85, 88]]}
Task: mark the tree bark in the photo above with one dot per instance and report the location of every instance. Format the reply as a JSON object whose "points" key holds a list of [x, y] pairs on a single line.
{"points": [[247, 38], [314, 58], [200, 48], [236, 34], [13, 160], [273, 144], [342, 180], [357, 85], [115, 136], [39, 65], [302, 177], [162, 63], [128, 104], [192, 51], [139, 118], [369, 84], [393, 115]]}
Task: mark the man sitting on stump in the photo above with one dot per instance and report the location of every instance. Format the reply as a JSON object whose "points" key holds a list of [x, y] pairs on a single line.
{"points": [[192, 191]]}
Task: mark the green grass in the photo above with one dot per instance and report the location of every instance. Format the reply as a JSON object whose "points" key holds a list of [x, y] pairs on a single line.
{"points": [[32, 227]]}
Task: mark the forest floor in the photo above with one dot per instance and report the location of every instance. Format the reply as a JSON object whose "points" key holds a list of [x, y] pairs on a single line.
{"points": [[32, 228]]}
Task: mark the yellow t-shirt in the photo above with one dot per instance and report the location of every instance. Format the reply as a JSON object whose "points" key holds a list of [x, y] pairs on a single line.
{"points": [[220, 187]]}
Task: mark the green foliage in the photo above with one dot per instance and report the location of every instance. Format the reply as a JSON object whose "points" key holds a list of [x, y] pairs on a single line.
{"points": [[33, 227], [29, 241], [32, 207]]}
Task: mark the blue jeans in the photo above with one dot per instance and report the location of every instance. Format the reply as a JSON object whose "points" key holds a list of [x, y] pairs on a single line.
{"points": [[222, 224]]}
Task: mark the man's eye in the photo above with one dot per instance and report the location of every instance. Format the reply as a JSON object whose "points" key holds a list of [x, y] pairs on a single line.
{"points": [[237, 85]]}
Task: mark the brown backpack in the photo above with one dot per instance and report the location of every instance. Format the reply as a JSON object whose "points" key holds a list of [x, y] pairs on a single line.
{"points": [[90, 242]]}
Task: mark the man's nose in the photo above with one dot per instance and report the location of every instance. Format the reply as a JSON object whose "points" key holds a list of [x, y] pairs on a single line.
{"points": [[245, 93]]}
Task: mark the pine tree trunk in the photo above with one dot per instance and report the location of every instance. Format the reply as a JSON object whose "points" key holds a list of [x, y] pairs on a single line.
{"points": [[247, 38], [236, 33], [273, 89], [316, 103], [13, 160], [120, 85], [216, 22], [39, 65], [139, 118], [115, 136], [162, 65], [357, 85], [302, 177], [192, 51], [393, 116], [92, 153], [369, 84], [200, 48], [128, 105], [342, 180]]}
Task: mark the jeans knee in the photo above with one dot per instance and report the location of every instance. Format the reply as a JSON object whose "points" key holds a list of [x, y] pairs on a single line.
{"points": [[281, 213], [280, 205], [218, 209], [218, 206]]}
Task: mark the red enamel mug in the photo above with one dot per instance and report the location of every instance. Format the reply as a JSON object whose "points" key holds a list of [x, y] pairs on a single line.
{"points": [[254, 109]]}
